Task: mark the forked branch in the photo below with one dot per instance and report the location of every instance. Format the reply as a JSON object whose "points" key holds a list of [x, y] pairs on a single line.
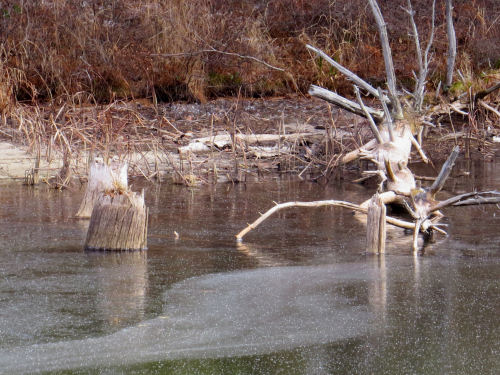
{"points": [[422, 60]]}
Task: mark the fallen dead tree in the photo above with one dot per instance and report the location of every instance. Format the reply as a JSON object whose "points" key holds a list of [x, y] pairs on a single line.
{"points": [[393, 128], [421, 204]]}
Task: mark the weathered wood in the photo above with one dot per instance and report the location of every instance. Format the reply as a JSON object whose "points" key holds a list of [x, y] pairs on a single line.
{"points": [[350, 75], [223, 141], [438, 184], [375, 226], [102, 177], [363, 208], [401, 180], [389, 65], [344, 103], [452, 44], [423, 61], [373, 126], [118, 222]]}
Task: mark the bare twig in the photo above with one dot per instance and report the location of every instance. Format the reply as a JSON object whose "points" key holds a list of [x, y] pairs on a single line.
{"points": [[373, 126], [489, 108], [213, 50]]}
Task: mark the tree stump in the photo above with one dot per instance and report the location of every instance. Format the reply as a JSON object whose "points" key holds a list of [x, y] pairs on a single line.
{"points": [[102, 177], [119, 222], [375, 226]]}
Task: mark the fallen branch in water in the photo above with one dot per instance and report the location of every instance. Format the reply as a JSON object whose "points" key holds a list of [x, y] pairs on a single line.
{"points": [[332, 203]]}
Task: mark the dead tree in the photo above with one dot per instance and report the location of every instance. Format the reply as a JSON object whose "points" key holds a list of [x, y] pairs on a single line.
{"points": [[422, 205], [393, 136], [390, 148]]}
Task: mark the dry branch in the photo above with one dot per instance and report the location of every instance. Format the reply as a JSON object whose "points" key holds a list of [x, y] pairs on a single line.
{"points": [[373, 126], [423, 61], [344, 103], [334, 203], [389, 65], [452, 43], [350, 75], [443, 175]]}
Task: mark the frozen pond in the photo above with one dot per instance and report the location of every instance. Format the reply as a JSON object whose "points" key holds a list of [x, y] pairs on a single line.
{"points": [[298, 296]]}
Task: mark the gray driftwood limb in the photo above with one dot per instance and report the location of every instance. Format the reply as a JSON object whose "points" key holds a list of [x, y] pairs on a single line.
{"points": [[373, 126], [344, 103], [118, 223], [350, 75]]}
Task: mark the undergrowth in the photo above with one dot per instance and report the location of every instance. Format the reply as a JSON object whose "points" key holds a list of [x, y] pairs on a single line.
{"points": [[201, 49]]}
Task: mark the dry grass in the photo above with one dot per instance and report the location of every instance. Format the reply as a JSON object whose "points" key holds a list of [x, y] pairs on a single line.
{"points": [[63, 79], [170, 50]]}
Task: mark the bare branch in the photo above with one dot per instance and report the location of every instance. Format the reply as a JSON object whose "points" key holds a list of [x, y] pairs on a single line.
{"points": [[350, 75], [388, 118], [213, 50], [452, 43], [445, 172], [373, 126], [417, 145], [344, 103], [423, 62], [472, 198], [335, 203], [481, 94], [389, 65]]}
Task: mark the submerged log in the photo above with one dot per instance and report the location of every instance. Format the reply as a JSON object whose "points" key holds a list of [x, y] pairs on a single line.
{"points": [[102, 177], [119, 222], [375, 226]]}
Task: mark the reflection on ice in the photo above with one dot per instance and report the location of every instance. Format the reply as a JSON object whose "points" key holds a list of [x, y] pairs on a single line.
{"points": [[228, 314], [122, 281]]}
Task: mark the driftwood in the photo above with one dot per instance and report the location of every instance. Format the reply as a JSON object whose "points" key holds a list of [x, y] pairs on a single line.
{"points": [[102, 177], [391, 146], [424, 209], [225, 141], [333, 203], [118, 222], [344, 103], [375, 226]]}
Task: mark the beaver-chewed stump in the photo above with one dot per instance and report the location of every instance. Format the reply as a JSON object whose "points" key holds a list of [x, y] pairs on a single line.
{"points": [[102, 177], [119, 222]]}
